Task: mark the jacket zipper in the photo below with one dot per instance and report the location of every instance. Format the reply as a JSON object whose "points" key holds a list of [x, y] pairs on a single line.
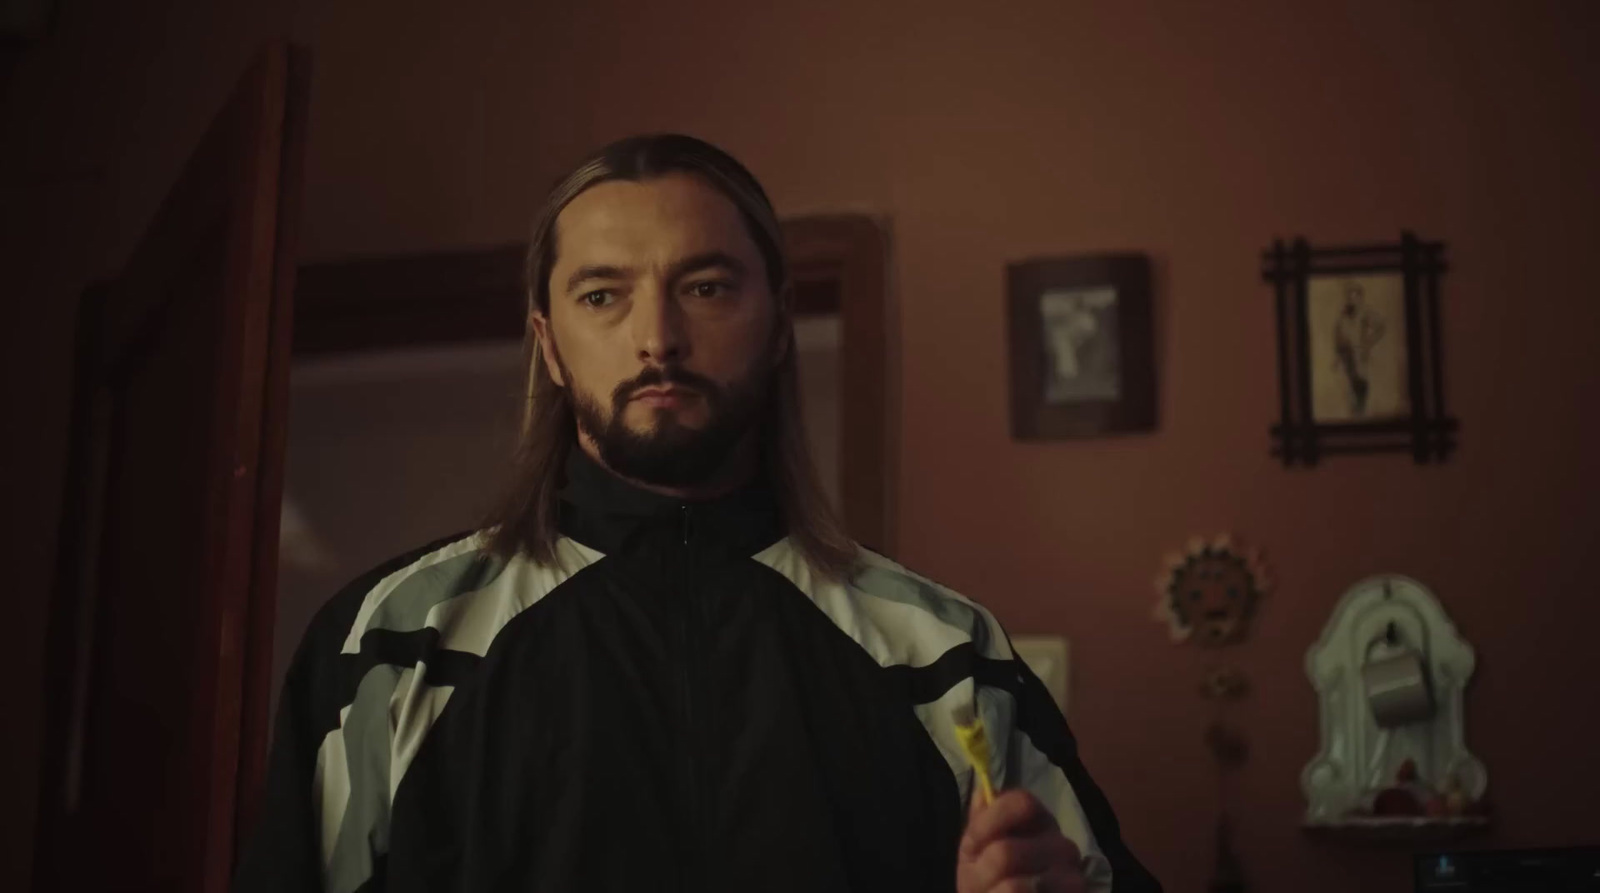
{"points": [[691, 736]]}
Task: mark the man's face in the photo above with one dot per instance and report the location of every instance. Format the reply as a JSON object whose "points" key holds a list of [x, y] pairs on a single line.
{"points": [[661, 326], [1352, 300]]}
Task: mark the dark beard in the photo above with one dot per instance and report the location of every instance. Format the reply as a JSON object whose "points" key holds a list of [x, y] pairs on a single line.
{"points": [[670, 454]]}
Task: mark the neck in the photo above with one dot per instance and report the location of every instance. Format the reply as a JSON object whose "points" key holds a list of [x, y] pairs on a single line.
{"points": [[738, 470]]}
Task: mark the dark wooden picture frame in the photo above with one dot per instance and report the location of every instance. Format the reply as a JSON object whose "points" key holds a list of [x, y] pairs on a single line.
{"points": [[1343, 388], [1082, 346]]}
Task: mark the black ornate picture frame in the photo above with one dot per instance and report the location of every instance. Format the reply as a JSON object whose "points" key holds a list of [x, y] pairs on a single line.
{"points": [[1359, 366]]}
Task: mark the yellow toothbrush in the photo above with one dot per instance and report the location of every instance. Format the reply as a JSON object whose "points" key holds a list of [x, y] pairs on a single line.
{"points": [[975, 744]]}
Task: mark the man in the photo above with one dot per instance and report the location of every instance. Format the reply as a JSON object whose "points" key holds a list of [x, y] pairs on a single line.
{"points": [[1355, 333], [661, 664]]}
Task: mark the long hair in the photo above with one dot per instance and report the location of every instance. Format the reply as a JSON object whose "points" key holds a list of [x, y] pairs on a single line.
{"points": [[527, 518]]}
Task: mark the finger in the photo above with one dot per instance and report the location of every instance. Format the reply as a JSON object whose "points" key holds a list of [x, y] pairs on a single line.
{"points": [[1042, 883], [1071, 856], [1012, 813], [1021, 857], [976, 806], [1062, 881]]}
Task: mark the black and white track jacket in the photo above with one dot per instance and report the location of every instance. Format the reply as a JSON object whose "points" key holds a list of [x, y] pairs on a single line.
{"points": [[679, 703]]}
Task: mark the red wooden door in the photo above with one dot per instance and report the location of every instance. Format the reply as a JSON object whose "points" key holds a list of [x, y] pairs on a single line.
{"points": [[161, 641]]}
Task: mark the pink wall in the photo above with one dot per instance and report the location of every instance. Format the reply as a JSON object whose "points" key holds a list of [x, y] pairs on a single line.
{"points": [[988, 132]]}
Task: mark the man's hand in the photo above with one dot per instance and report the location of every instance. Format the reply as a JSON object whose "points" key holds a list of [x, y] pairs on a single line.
{"points": [[1013, 846]]}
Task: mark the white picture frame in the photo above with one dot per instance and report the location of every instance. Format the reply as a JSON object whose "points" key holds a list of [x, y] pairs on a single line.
{"points": [[1049, 657]]}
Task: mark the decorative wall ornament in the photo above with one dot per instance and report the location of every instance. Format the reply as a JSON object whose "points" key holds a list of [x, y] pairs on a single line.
{"points": [[1224, 684], [1359, 366], [1209, 591]]}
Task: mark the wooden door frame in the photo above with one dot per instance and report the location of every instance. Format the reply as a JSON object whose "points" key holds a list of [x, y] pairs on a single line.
{"points": [[255, 149], [838, 262]]}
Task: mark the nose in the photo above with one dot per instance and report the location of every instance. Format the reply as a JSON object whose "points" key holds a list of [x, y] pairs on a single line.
{"points": [[656, 323]]}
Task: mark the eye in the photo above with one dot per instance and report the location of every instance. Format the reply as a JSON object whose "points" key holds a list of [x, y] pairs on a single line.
{"points": [[1194, 595], [710, 289], [597, 298]]}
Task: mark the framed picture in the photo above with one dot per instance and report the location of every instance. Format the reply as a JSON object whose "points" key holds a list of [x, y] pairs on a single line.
{"points": [[1081, 343], [1358, 350]]}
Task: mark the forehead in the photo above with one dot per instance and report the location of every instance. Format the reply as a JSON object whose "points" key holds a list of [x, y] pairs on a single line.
{"points": [[653, 221]]}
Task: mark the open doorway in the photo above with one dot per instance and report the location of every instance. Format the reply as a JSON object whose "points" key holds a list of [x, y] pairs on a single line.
{"points": [[407, 384]]}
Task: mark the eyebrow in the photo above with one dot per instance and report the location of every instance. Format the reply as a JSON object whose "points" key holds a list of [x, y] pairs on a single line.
{"points": [[692, 264]]}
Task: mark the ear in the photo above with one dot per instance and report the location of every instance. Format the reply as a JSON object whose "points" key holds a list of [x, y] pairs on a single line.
{"points": [[783, 325], [547, 346]]}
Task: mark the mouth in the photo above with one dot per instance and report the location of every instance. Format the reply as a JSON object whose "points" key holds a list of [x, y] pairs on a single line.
{"points": [[662, 397]]}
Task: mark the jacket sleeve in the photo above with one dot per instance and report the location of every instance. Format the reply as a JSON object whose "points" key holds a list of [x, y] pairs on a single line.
{"points": [[1042, 756], [282, 852]]}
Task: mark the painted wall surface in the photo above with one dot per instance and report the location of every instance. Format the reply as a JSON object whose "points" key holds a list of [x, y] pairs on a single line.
{"points": [[986, 133]]}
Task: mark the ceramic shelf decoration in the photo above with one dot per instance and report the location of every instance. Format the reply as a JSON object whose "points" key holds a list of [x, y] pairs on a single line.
{"points": [[1390, 671]]}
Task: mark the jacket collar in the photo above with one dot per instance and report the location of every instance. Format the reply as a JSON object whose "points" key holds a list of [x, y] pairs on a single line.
{"points": [[605, 512]]}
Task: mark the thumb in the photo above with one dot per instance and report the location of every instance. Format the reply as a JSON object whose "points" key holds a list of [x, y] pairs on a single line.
{"points": [[976, 807], [975, 804]]}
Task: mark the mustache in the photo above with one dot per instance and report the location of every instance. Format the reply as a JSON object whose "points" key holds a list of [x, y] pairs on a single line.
{"points": [[662, 376]]}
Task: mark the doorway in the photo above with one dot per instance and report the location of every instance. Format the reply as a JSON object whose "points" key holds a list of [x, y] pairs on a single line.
{"points": [[407, 382]]}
